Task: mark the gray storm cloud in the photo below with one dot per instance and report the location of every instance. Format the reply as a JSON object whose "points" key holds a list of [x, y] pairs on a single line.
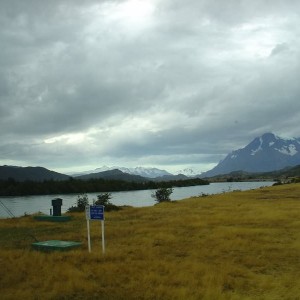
{"points": [[153, 82]]}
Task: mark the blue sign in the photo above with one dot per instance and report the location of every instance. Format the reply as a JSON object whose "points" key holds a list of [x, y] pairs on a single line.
{"points": [[96, 212]]}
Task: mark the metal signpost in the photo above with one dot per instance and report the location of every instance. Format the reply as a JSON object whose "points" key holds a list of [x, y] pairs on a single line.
{"points": [[96, 213]]}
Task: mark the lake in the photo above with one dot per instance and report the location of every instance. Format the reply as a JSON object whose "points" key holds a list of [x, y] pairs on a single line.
{"points": [[19, 206]]}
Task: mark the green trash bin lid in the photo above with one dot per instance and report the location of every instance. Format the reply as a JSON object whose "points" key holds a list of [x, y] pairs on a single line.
{"points": [[55, 245]]}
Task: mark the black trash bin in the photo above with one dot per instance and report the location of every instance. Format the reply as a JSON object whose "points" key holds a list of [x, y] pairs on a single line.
{"points": [[57, 203]]}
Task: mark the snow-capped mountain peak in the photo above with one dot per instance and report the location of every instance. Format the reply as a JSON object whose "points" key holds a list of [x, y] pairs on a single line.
{"points": [[269, 141], [265, 153], [145, 172]]}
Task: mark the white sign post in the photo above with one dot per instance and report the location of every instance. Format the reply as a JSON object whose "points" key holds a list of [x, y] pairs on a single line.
{"points": [[96, 213]]}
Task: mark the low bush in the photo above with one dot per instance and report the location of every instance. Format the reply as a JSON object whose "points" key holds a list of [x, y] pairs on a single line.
{"points": [[81, 203], [103, 199]]}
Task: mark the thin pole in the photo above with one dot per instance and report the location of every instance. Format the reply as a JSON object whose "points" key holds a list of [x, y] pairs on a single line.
{"points": [[103, 240], [89, 236]]}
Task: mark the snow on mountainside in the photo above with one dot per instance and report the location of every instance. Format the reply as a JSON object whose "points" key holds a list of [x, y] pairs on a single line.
{"points": [[266, 153], [144, 172], [190, 172]]}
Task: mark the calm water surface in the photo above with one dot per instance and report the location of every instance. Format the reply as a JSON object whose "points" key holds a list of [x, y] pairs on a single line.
{"points": [[32, 204]]}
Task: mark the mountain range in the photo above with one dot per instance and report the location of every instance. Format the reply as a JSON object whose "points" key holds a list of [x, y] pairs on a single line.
{"points": [[140, 171], [41, 174], [117, 174], [264, 154]]}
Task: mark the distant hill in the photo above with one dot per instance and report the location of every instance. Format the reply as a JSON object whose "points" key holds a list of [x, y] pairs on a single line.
{"points": [[113, 175], [285, 172], [29, 173], [282, 174], [264, 154], [290, 172], [171, 177]]}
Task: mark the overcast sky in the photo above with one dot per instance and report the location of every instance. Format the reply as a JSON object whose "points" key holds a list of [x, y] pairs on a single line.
{"points": [[155, 83]]}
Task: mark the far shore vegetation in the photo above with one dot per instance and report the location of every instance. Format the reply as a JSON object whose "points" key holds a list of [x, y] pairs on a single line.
{"points": [[231, 246], [12, 187]]}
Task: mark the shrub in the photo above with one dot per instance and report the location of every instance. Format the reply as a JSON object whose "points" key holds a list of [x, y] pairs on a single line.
{"points": [[162, 194], [103, 199], [81, 203]]}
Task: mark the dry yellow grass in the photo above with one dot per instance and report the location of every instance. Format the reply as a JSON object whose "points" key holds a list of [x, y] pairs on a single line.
{"points": [[239, 245]]}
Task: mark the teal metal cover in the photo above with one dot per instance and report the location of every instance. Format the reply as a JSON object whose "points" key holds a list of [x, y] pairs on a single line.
{"points": [[55, 245]]}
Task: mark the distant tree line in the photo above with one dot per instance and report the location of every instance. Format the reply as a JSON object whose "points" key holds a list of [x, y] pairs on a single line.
{"points": [[12, 187]]}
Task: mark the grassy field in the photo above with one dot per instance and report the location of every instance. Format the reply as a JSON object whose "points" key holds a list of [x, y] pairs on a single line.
{"points": [[238, 245]]}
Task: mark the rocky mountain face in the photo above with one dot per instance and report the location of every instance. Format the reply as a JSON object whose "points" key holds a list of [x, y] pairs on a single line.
{"points": [[265, 153]]}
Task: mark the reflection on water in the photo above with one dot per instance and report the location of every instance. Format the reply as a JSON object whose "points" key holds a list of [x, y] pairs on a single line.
{"points": [[31, 204]]}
